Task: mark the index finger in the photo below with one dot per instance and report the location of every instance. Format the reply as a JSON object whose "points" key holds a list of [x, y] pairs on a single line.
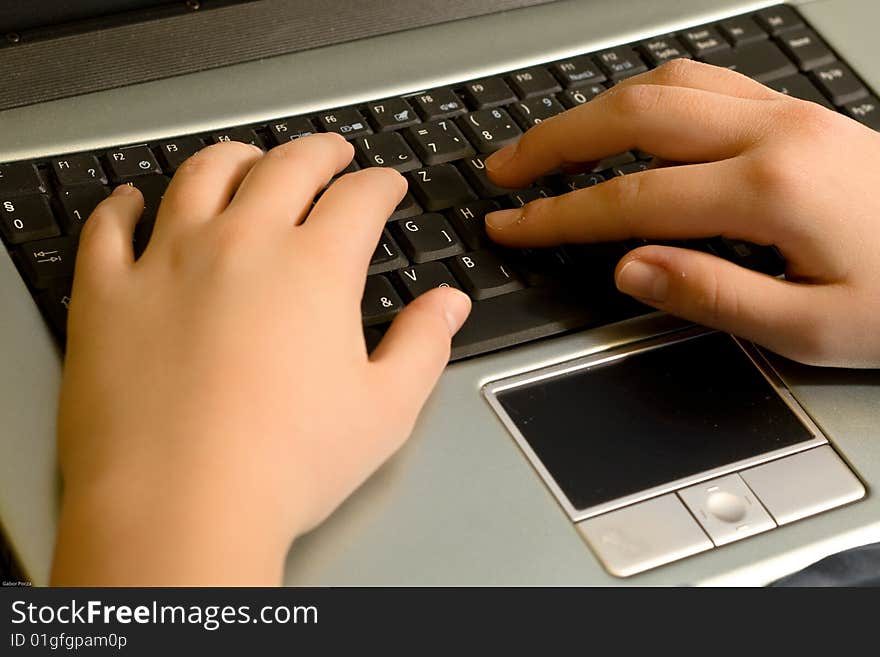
{"points": [[678, 124]]}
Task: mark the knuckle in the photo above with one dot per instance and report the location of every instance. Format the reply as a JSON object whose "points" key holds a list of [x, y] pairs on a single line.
{"points": [[637, 99], [622, 194], [775, 176], [813, 119], [719, 301], [676, 71]]}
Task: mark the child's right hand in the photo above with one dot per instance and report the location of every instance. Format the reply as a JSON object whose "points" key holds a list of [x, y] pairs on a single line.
{"points": [[769, 169]]}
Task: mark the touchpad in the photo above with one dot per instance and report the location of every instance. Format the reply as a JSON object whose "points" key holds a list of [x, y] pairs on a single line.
{"points": [[606, 430]]}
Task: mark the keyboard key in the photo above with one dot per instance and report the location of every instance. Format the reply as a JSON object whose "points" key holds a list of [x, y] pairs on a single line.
{"points": [[620, 63], [578, 72], [532, 313], [630, 167], [581, 181], [27, 218], [574, 97], [865, 111], [129, 163], [764, 259], [488, 93], [438, 142], [531, 112], [347, 122], [55, 303], [380, 302], [78, 203], [440, 187], [243, 135], [427, 237], [490, 130], [386, 149], [703, 41], [535, 81], [806, 49], [520, 197], [664, 49], [484, 275], [408, 207], [799, 86], [391, 114], [20, 178], [468, 221], [46, 261], [438, 104], [174, 152], [474, 170], [838, 83], [387, 256], [779, 19], [78, 170], [762, 61], [153, 189], [614, 161], [421, 278], [285, 130], [742, 30]]}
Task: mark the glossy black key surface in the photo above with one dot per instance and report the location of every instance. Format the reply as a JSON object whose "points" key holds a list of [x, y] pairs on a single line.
{"points": [[704, 40], [490, 130], [129, 163], [764, 259], [865, 111], [408, 207], [629, 167], [27, 218], [347, 121], [535, 81], [574, 97], [762, 61], [44, 262], [386, 149], [779, 19], [664, 49], [243, 135], [799, 86], [474, 170], [427, 237], [838, 83], [55, 303], [174, 152], [419, 279], [483, 275], [520, 197], [531, 112], [387, 256], [742, 30], [438, 104], [440, 187], [380, 302], [285, 130], [391, 114], [20, 178], [438, 142], [78, 170], [153, 189], [806, 49], [578, 72], [619, 63], [488, 93], [468, 220], [77, 203]]}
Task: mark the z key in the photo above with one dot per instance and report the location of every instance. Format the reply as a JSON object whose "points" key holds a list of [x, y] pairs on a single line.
{"points": [[440, 187]]}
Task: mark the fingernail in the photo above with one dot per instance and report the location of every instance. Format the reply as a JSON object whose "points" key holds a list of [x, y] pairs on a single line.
{"points": [[456, 307], [123, 189], [500, 159], [643, 280], [503, 218]]}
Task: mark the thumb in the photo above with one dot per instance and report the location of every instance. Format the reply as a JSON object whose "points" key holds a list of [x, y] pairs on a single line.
{"points": [[416, 347], [783, 316]]}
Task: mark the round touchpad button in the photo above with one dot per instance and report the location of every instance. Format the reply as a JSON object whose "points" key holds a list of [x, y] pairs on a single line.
{"points": [[726, 506]]}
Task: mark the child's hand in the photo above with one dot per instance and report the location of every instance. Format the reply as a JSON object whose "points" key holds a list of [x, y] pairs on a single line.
{"points": [[218, 399], [772, 170]]}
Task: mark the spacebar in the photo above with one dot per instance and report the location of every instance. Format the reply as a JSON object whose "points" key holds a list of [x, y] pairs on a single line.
{"points": [[530, 314]]}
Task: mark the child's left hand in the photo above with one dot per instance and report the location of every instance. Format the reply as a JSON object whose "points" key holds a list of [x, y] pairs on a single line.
{"points": [[218, 399]]}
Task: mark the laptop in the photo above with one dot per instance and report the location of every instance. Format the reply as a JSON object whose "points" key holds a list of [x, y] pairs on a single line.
{"points": [[490, 490]]}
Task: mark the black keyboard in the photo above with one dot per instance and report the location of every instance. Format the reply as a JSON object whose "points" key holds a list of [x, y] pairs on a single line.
{"points": [[438, 138]]}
